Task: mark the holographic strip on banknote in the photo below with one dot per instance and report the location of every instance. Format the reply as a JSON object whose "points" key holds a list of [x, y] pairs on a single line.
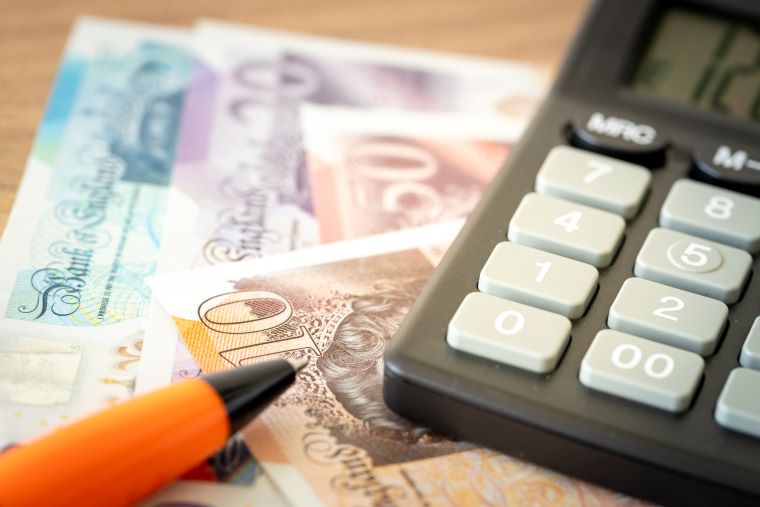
{"points": [[85, 229]]}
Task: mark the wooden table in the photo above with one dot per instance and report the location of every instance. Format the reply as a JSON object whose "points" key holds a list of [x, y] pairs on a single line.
{"points": [[33, 34]]}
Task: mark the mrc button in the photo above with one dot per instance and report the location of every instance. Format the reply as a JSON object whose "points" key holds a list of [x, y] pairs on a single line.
{"points": [[729, 165], [620, 137]]}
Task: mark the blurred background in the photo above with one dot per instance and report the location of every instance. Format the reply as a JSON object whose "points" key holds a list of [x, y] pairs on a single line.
{"points": [[33, 34]]}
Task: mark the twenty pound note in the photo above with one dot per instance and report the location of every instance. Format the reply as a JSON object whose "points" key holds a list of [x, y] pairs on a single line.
{"points": [[241, 166], [330, 439], [85, 228]]}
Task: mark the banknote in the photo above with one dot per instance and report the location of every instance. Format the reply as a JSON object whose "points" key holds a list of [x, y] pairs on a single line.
{"points": [[84, 231], [330, 439], [205, 494], [373, 171], [242, 187], [240, 163]]}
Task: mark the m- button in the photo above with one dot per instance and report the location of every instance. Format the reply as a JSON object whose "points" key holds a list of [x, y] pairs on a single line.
{"points": [[620, 137], [729, 165]]}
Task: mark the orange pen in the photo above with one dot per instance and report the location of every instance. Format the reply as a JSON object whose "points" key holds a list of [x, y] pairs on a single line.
{"points": [[120, 455]]}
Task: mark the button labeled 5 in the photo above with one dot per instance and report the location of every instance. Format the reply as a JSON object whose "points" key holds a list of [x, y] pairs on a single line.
{"points": [[693, 264]]}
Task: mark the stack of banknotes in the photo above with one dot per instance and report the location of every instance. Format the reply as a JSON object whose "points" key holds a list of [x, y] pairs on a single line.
{"points": [[201, 200]]}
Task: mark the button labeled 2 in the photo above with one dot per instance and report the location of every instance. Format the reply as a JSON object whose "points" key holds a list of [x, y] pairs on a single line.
{"points": [[668, 315]]}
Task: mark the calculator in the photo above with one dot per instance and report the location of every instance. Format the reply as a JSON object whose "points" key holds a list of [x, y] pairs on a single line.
{"points": [[599, 313]]}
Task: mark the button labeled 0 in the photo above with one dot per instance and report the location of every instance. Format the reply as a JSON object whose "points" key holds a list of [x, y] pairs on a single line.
{"points": [[509, 332]]}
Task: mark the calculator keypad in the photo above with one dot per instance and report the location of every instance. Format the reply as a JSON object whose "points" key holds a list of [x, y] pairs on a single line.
{"points": [[750, 356], [713, 213], [641, 370], [661, 323], [509, 332], [539, 279], [567, 228], [738, 406], [668, 315], [595, 180], [693, 264]]}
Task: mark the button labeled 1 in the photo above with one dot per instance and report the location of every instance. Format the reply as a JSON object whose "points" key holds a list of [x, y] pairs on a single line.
{"points": [[540, 279], [641, 370], [508, 332]]}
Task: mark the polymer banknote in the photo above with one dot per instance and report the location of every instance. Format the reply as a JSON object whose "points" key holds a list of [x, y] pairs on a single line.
{"points": [[85, 229], [330, 439], [208, 494]]}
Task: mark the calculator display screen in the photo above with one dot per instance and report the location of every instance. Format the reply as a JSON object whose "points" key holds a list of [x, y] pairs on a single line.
{"points": [[703, 61]]}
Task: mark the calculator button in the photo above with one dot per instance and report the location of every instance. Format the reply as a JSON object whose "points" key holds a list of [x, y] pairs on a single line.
{"points": [[641, 370], [667, 315], [713, 213], [750, 356], [509, 332], [620, 137], [729, 165], [540, 279], [738, 406], [594, 180], [566, 228], [693, 264]]}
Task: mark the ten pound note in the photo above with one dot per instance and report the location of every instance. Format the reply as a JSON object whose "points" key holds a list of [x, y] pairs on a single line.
{"points": [[330, 439], [85, 229]]}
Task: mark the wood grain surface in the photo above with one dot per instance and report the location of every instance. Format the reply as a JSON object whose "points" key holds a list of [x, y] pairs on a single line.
{"points": [[33, 34]]}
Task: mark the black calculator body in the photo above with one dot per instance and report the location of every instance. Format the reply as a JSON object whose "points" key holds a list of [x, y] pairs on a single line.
{"points": [[628, 91]]}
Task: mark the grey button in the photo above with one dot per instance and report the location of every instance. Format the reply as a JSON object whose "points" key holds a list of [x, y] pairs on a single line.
{"points": [[566, 228], [641, 370], [668, 315], [713, 213], [540, 279], [693, 264], [509, 332], [738, 406], [602, 182], [750, 356]]}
